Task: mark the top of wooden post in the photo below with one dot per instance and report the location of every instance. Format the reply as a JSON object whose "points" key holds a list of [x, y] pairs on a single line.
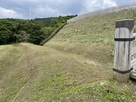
{"points": [[127, 23]]}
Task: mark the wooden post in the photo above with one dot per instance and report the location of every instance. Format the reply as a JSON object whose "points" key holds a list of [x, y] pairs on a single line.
{"points": [[123, 44]]}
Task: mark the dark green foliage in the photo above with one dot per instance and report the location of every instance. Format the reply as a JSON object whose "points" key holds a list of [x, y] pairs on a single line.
{"points": [[53, 34], [30, 32], [7, 30], [5, 35], [33, 31], [52, 21]]}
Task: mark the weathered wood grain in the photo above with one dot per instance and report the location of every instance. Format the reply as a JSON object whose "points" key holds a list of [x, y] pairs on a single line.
{"points": [[133, 51], [133, 62], [122, 56], [134, 35]]}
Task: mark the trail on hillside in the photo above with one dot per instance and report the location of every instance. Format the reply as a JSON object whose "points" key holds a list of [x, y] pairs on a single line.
{"points": [[75, 65], [29, 65]]}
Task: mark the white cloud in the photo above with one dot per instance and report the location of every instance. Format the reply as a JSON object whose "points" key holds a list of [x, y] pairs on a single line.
{"points": [[7, 13], [45, 11], [92, 5], [48, 8]]}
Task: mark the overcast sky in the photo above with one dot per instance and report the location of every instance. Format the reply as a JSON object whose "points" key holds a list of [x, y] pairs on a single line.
{"points": [[27, 9]]}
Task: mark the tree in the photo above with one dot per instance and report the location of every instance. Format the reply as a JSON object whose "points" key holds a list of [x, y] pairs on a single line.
{"points": [[6, 31], [5, 35]]}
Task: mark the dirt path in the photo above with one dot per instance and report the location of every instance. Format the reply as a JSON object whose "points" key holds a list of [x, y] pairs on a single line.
{"points": [[30, 65]]}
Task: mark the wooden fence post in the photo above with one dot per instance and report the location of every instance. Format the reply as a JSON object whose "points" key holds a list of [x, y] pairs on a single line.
{"points": [[123, 44]]}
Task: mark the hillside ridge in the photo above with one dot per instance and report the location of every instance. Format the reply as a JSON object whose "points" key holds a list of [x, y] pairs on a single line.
{"points": [[74, 66], [129, 6]]}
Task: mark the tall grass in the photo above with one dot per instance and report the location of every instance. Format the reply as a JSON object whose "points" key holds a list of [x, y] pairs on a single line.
{"points": [[74, 66]]}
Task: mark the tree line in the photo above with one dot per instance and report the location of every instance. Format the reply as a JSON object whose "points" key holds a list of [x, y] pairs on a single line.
{"points": [[32, 31]]}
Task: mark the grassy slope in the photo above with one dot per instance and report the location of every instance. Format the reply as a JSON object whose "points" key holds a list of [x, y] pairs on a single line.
{"points": [[76, 65], [94, 32], [33, 73]]}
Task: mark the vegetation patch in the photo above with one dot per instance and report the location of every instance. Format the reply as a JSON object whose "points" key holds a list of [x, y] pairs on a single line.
{"points": [[74, 66], [32, 31]]}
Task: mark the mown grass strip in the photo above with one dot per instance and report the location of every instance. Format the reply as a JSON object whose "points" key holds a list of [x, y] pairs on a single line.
{"points": [[53, 34]]}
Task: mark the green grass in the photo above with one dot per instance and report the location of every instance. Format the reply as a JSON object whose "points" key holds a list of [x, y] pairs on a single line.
{"points": [[74, 66], [31, 73], [93, 30]]}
